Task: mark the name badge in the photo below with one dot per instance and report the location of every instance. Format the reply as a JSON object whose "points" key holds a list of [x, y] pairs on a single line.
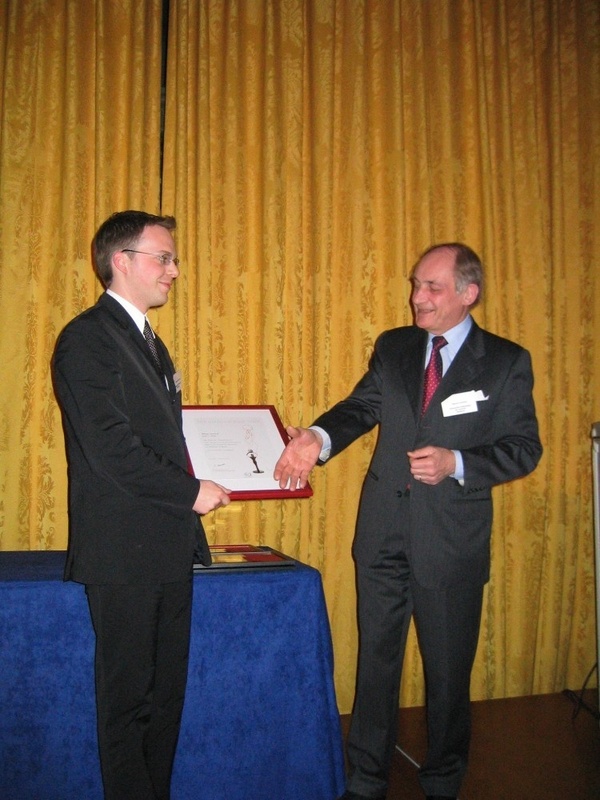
{"points": [[462, 403]]}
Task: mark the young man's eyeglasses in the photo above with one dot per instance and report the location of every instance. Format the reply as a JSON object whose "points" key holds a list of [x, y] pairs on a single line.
{"points": [[163, 258]]}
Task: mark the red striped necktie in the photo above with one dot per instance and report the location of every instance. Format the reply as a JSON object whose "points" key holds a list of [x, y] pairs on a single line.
{"points": [[433, 372]]}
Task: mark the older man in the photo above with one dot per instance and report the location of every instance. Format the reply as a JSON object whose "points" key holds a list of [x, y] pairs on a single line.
{"points": [[456, 415]]}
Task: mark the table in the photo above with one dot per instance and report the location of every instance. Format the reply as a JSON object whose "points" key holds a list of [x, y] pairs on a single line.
{"points": [[260, 720]]}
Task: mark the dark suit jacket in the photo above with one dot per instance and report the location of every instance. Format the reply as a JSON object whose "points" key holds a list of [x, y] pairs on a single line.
{"points": [[446, 528], [130, 493]]}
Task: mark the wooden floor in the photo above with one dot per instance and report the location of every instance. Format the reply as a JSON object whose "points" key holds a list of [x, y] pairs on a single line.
{"points": [[524, 748]]}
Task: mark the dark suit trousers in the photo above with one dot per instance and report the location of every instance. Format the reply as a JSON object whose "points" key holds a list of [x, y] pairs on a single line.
{"points": [[142, 645], [447, 623]]}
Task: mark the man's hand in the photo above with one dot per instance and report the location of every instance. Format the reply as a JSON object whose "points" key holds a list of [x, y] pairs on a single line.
{"points": [[298, 458], [211, 495], [431, 464]]}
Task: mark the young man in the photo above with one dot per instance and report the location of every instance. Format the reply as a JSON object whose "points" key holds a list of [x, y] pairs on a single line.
{"points": [[133, 506]]}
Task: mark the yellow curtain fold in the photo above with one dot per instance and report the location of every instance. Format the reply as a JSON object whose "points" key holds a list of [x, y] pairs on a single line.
{"points": [[79, 138], [313, 149]]}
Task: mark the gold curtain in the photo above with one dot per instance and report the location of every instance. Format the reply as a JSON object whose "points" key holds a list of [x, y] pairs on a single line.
{"points": [[79, 139], [313, 149]]}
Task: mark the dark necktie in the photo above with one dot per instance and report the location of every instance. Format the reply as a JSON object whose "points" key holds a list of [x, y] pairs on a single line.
{"points": [[433, 373], [152, 345]]}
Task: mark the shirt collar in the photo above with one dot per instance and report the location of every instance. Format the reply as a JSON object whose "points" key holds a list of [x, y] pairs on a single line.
{"points": [[135, 314], [455, 337]]}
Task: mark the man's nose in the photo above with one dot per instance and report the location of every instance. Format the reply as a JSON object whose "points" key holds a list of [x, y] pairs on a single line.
{"points": [[416, 295]]}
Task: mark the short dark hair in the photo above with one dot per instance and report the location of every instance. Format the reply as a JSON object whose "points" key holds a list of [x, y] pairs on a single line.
{"points": [[467, 266], [120, 231]]}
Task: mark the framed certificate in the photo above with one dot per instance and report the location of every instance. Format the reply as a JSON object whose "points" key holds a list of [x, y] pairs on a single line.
{"points": [[244, 556], [238, 447]]}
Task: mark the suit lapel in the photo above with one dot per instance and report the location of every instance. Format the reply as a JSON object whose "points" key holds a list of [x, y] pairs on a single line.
{"points": [[167, 365], [130, 333], [462, 373], [412, 365]]}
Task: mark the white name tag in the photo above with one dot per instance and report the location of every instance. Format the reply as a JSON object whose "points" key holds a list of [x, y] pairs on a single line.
{"points": [[462, 403]]}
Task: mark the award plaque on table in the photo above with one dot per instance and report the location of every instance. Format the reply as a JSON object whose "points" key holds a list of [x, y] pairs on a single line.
{"points": [[238, 447], [244, 556]]}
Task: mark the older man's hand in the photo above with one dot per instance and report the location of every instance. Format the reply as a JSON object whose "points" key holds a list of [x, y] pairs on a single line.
{"points": [[299, 457]]}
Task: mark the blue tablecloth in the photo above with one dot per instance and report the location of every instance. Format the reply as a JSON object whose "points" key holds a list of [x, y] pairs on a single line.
{"points": [[260, 719]]}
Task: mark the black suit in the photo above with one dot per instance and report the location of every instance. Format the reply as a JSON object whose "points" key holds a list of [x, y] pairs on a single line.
{"points": [[421, 549], [132, 533]]}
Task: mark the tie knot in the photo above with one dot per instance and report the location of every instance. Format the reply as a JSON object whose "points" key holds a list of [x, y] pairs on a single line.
{"points": [[438, 342]]}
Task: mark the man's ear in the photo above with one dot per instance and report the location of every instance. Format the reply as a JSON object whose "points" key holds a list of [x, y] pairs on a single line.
{"points": [[471, 294], [120, 262]]}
